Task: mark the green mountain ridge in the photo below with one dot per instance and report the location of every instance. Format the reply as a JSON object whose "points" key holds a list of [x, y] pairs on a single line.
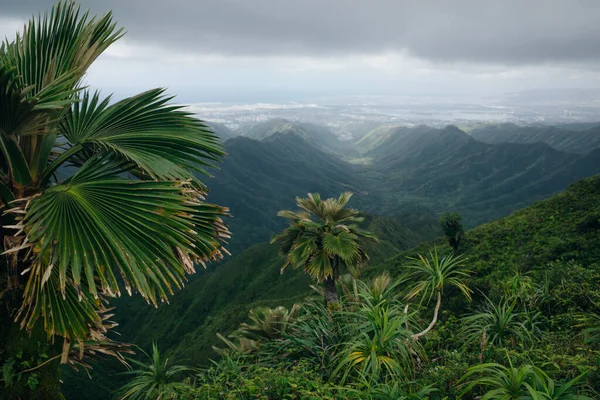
{"points": [[576, 139], [480, 180], [221, 130], [317, 135], [433, 170]]}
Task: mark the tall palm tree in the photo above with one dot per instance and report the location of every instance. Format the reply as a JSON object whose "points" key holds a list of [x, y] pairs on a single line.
{"points": [[95, 195], [430, 276], [324, 238]]}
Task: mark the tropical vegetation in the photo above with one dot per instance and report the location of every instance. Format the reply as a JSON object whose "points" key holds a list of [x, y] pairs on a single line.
{"points": [[532, 335], [101, 197]]}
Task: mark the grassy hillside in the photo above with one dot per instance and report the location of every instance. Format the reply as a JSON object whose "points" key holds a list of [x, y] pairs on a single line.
{"points": [[535, 279], [576, 138]]}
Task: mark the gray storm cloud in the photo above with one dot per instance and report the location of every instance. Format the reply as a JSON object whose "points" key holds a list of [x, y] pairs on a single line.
{"points": [[503, 31]]}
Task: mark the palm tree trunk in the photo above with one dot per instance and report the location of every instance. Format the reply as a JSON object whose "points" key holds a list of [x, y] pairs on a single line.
{"points": [[416, 336], [331, 296], [26, 353]]}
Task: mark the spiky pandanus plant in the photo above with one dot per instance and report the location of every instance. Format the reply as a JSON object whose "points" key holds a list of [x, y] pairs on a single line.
{"points": [[324, 238], [267, 324], [501, 324], [430, 275], [95, 195], [159, 378]]}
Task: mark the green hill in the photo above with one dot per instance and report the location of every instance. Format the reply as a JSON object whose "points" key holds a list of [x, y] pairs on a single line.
{"points": [[450, 170], [317, 135], [537, 274], [554, 239], [565, 227], [575, 138]]}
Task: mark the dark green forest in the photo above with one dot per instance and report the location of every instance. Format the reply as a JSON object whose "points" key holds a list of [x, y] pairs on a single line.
{"points": [[536, 268], [533, 318]]}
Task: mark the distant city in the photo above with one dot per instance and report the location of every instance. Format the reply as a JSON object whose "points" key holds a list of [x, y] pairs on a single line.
{"points": [[338, 113]]}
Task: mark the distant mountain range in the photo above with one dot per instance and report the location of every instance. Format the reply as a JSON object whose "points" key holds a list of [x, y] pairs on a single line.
{"points": [[450, 170], [570, 138], [419, 168]]}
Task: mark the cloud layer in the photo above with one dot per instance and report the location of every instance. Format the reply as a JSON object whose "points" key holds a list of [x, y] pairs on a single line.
{"points": [[507, 31], [263, 49]]}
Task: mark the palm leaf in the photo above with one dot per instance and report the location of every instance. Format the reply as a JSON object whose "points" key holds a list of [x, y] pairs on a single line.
{"points": [[163, 141], [98, 226], [64, 42]]}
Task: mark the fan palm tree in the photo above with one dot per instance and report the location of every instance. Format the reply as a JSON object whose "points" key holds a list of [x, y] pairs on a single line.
{"points": [[431, 275], [96, 195], [323, 238]]}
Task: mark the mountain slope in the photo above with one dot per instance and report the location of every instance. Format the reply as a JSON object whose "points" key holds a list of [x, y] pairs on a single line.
{"points": [[317, 135], [451, 170], [259, 178], [221, 130], [388, 139], [547, 236], [561, 138]]}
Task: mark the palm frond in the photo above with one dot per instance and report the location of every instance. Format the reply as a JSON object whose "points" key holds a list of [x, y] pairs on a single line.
{"points": [[98, 226], [64, 42], [162, 141]]}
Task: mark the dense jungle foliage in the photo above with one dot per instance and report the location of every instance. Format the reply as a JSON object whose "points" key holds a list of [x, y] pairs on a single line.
{"points": [[530, 331]]}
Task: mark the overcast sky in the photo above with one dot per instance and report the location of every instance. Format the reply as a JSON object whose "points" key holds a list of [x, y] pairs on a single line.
{"points": [[276, 50]]}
